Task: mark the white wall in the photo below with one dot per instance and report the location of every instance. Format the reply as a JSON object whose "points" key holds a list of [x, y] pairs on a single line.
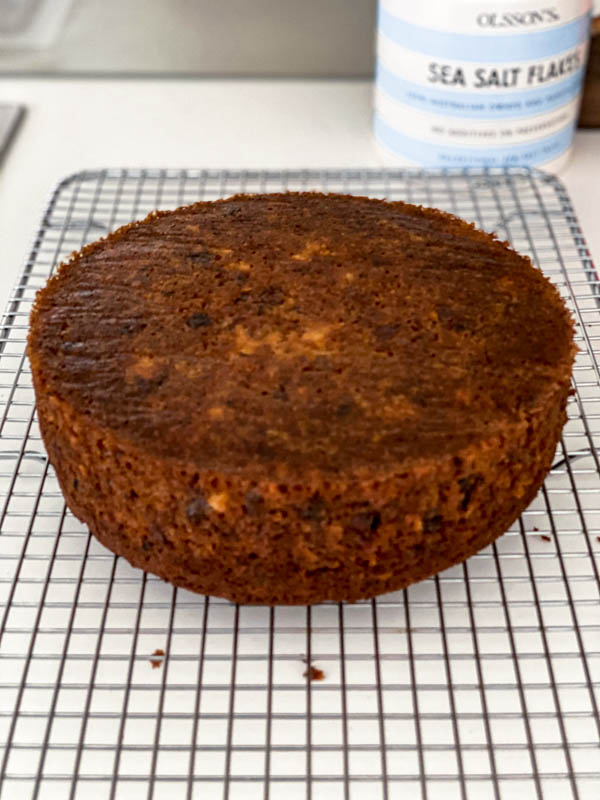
{"points": [[255, 37]]}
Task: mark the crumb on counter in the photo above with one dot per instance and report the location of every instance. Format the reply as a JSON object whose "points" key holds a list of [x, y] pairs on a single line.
{"points": [[157, 662], [312, 673]]}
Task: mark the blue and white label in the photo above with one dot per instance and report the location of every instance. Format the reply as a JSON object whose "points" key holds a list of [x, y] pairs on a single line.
{"points": [[465, 83]]}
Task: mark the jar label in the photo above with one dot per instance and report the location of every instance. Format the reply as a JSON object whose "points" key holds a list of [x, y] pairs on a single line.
{"points": [[481, 85]]}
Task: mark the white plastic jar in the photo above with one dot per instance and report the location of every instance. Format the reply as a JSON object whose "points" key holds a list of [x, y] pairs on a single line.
{"points": [[478, 83]]}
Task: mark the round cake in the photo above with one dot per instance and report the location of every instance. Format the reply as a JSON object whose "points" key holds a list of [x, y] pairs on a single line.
{"points": [[292, 398]]}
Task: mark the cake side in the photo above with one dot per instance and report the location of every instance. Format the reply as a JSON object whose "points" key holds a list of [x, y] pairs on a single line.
{"points": [[251, 539]]}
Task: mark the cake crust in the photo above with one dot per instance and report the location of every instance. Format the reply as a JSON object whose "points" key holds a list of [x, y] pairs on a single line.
{"points": [[293, 398]]}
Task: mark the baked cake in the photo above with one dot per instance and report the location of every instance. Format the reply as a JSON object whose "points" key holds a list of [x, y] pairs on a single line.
{"points": [[292, 398]]}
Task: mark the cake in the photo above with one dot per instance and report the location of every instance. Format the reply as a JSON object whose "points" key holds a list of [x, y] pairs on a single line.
{"points": [[294, 398]]}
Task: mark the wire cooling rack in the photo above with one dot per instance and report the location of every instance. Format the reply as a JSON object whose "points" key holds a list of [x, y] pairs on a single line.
{"points": [[483, 682]]}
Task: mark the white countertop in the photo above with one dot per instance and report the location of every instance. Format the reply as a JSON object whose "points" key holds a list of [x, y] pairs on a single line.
{"points": [[85, 124], [75, 125]]}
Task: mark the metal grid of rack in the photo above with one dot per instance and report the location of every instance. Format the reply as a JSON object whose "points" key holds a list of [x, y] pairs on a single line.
{"points": [[483, 682]]}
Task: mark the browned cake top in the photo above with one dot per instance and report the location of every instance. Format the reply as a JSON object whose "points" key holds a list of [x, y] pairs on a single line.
{"points": [[306, 330]]}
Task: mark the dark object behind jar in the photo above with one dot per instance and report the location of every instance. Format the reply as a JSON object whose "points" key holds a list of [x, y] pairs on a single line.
{"points": [[589, 116]]}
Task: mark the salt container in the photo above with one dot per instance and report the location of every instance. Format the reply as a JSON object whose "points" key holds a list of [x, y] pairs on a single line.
{"points": [[465, 83]]}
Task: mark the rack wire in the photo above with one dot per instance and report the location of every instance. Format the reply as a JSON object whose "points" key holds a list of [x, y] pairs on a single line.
{"points": [[483, 682]]}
